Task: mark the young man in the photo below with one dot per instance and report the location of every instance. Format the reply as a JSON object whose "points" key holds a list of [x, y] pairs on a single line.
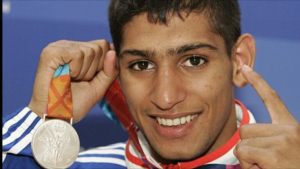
{"points": [[177, 63]]}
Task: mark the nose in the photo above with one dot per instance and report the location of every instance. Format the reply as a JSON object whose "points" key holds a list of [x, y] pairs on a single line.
{"points": [[168, 89]]}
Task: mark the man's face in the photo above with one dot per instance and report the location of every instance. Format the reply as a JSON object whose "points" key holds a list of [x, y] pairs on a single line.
{"points": [[177, 82]]}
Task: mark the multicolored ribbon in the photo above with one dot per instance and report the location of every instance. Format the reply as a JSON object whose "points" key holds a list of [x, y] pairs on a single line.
{"points": [[114, 106], [60, 104]]}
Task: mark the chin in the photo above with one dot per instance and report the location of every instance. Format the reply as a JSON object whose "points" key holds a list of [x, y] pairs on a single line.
{"points": [[183, 154]]}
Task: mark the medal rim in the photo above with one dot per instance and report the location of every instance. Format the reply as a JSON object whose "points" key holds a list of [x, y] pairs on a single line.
{"points": [[70, 127]]}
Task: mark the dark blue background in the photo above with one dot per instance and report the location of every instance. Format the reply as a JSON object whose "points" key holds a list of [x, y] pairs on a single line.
{"points": [[28, 26]]}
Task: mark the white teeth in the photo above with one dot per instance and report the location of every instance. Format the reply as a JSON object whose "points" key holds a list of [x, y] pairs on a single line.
{"points": [[193, 116], [163, 122], [169, 122], [182, 120], [175, 122], [188, 118], [159, 120]]}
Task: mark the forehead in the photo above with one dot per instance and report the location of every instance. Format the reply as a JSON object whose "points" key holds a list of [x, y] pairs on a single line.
{"points": [[195, 28]]}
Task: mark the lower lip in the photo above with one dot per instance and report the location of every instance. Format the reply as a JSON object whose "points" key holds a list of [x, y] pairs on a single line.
{"points": [[174, 132]]}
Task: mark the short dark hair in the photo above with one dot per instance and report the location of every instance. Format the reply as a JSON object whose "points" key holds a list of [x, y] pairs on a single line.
{"points": [[224, 16]]}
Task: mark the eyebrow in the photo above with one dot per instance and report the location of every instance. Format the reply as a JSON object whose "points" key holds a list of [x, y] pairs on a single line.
{"points": [[174, 51], [189, 47], [134, 52]]}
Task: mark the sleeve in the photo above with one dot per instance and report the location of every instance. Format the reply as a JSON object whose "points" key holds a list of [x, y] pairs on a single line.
{"points": [[17, 131], [108, 157]]}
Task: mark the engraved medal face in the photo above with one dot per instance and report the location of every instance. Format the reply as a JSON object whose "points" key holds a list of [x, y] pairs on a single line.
{"points": [[55, 144]]}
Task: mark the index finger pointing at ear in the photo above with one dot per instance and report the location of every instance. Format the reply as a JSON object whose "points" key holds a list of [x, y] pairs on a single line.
{"points": [[276, 108]]}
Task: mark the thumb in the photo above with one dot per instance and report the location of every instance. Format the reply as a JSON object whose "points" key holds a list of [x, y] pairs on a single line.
{"points": [[107, 75], [110, 68]]}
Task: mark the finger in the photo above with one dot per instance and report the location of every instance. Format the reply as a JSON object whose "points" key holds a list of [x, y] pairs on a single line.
{"points": [[264, 130], [276, 108], [85, 58], [110, 64], [104, 78], [67, 52], [262, 142], [93, 54], [89, 56], [254, 167], [105, 47], [249, 157], [245, 164], [55, 56], [112, 47], [92, 69]]}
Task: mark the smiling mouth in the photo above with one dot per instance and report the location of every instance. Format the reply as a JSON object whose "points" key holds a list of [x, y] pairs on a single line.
{"points": [[177, 121]]}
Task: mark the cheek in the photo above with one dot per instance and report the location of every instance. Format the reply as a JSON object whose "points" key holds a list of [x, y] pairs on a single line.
{"points": [[135, 93], [210, 87]]}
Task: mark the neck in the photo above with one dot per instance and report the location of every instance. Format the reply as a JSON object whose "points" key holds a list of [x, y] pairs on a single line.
{"points": [[225, 133]]}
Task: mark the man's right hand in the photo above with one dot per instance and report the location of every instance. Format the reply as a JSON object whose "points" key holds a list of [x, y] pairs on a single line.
{"points": [[85, 59]]}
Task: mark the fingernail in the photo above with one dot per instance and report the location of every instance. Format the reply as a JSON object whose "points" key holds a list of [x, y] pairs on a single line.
{"points": [[247, 68]]}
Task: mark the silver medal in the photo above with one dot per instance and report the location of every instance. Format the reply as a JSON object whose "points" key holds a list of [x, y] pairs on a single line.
{"points": [[55, 144]]}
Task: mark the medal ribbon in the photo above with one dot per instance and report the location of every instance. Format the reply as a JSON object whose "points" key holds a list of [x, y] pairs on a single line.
{"points": [[116, 101], [60, 104]]}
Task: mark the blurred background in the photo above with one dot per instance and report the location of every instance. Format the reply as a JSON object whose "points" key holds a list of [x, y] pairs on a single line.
{"points": [[28, 26]]}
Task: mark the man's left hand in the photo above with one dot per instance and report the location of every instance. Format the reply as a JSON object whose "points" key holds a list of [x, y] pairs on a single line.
{"points": [[275, 145]]}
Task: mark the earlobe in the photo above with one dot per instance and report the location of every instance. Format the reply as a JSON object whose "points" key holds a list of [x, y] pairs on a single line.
{"points": [[243, 53]]}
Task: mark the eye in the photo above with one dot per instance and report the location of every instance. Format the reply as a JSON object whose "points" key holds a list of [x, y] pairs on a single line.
{"points": [[194, 61], [142, 65]]}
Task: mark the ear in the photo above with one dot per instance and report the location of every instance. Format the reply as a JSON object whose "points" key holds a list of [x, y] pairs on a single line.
{"points": [[243, 53]]}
